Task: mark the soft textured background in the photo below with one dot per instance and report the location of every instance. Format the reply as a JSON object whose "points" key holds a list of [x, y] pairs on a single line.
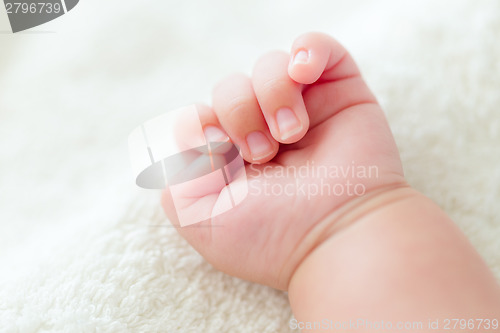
{"points": [[83, 249]]}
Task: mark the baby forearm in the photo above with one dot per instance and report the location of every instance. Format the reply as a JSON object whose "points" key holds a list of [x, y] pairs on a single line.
{"points": [[402, 259]]}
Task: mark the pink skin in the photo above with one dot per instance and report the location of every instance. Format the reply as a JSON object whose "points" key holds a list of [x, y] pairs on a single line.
{"points": [[340, 122], [390, 254]]}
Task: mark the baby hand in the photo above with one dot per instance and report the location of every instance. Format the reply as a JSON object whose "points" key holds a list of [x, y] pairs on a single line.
{"points": [[316, 141]]}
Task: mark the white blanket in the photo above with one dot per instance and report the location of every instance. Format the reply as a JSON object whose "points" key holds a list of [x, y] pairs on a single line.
{"points": [[82, 249]]}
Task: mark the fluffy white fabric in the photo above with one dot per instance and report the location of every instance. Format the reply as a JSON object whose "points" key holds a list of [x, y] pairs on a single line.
{"points": [[83, 249]]}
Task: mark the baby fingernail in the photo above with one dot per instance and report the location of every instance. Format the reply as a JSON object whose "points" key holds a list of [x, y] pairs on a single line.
{"points": [[214, 134], [288, 124], [301, 57], [260, 147]]}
